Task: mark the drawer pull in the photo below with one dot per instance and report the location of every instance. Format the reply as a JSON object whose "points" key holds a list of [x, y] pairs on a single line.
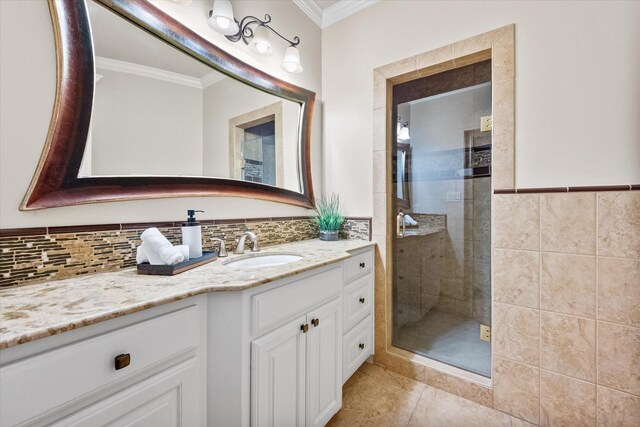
{"points": [[362, 265], [122, 361], [304, 328], [361, 345], [315, 322], [361, 300]]}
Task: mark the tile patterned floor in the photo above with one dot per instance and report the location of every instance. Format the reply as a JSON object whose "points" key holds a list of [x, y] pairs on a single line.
{"points": [[374, 396]]}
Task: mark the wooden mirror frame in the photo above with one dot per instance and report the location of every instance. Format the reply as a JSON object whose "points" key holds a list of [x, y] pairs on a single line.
{"points": [[56, 183]]}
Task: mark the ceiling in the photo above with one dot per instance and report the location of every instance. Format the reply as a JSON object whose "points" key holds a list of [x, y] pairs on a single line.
{"points": [[328, 12]]}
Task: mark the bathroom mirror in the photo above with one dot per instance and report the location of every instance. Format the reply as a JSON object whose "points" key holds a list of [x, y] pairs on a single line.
{"points": [[403, 190], [164, 114]]}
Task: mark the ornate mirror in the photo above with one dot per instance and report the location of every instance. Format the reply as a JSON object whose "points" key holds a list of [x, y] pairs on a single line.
{"points": [[146, 108]]}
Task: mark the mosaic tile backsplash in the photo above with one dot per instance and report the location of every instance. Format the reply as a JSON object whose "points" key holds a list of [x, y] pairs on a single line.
{"points": [[34, 258]]}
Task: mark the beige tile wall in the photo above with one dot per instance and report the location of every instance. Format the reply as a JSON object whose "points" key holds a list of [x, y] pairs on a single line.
{"points": [[573, 358]]}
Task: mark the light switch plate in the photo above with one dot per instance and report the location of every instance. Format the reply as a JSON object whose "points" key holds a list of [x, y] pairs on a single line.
{"points": [[485, 333], [486, 123]]}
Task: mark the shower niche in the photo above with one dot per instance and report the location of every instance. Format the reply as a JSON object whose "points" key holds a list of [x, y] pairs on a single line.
{"points": [[442, 244]]}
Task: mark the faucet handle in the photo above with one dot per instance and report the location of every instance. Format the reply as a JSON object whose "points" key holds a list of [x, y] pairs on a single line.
{"points": [[223, 250]]}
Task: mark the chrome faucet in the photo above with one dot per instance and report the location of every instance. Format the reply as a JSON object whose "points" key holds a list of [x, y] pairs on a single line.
{"points": [[400, 224], [223, 250], [240, 247]]}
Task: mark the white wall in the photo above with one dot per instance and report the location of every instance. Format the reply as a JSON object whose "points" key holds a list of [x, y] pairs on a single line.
{"points": [[27, 85], [228, 99], [134, 130], [577, 86]]}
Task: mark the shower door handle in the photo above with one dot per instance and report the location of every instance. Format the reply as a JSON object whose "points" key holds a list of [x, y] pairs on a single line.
{"points": [[400, 225]]}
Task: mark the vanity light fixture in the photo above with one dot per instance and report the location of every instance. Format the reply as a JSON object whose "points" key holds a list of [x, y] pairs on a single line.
{"points": [[222, 20], [403, 130]]}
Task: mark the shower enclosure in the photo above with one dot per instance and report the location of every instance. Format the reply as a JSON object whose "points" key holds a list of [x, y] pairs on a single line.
{"points": [[442, 245]]}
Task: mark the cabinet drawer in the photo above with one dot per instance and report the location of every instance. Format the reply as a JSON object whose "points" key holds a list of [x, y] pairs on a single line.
{"points": [[357, 347], [358, 301], [358, 266], [50, 380], [278, 305]]}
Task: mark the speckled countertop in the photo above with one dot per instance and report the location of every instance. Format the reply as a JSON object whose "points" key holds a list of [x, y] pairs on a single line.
{"points": [[422, 231], [31, 312]]}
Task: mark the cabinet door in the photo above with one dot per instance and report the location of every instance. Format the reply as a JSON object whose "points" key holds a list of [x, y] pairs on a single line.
{"points": [[167, 399], [278, 377], [324, 367]]}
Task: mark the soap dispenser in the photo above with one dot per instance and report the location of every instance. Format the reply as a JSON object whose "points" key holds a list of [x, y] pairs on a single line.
{"points": [[192, 234]]}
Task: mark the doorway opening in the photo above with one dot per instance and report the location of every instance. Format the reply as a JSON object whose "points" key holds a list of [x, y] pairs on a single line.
{"points": [[441, 173]]}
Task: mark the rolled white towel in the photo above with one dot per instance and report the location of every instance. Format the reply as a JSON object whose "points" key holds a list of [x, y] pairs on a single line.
{"points": [[409, 221], [184, 250], [159, 244], [144, 254]]}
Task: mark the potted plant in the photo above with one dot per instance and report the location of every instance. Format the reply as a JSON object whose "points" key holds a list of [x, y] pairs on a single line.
{"points": [[328, 217]]}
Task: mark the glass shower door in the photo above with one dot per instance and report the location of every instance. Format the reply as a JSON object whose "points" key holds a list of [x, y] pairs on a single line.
{"points": [[442, 173]]}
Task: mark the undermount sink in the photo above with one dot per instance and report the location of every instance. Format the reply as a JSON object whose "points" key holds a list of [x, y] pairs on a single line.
{"points": [[263, 260]]}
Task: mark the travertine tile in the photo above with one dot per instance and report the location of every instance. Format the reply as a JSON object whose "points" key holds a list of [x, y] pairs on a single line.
{"points": [[516, 333], [503, 156], [619, 290], [379, 129], [617, 409], [439, 408], [568, 223], [503, 58], [380, 172], [503, 107], [568, 345], [618, 356], [386, 378], [379, 220], [458, 386], [516, 221], [619, 224], [568, 284], [516, 389], [435, 61], [516, 277], [379, 91], [397, 68], [368, 402], [566, 401]]}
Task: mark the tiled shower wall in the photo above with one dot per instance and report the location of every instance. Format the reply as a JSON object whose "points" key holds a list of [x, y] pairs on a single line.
{"points": [[32, 256], [566, 331]]}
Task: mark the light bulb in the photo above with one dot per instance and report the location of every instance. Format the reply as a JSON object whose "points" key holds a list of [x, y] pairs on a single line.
{"points": [[262, 47], [290, 67], [223, 22]]}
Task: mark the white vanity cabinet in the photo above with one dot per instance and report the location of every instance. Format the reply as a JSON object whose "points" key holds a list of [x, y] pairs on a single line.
{"points": [[143, 369], [282, 365], [358, 312]]}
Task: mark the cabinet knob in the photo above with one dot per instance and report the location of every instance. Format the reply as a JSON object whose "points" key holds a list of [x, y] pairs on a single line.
{"points": [[122, 361], [361, 300], [361, 345], [304, 328], [315, 322], [362, 265]]}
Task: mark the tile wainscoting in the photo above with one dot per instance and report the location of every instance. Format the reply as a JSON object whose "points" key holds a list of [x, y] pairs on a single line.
{"points": [[566, 293], [34, 255]]}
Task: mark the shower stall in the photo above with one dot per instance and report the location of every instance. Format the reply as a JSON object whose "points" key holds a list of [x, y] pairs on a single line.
{"points": [[442, 246]]}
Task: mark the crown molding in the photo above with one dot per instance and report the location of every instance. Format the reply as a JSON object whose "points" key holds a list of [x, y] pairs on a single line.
{"points": [[311, 8], [342, 9], [332, 14], [211, 79], [150, 72]]}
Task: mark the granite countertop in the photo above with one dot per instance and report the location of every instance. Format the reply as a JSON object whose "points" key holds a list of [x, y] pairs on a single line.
{"points": [[422, 231], [31, 312]]}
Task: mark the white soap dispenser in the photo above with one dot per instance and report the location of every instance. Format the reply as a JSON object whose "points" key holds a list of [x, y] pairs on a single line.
{"points": [[192, 234]]}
